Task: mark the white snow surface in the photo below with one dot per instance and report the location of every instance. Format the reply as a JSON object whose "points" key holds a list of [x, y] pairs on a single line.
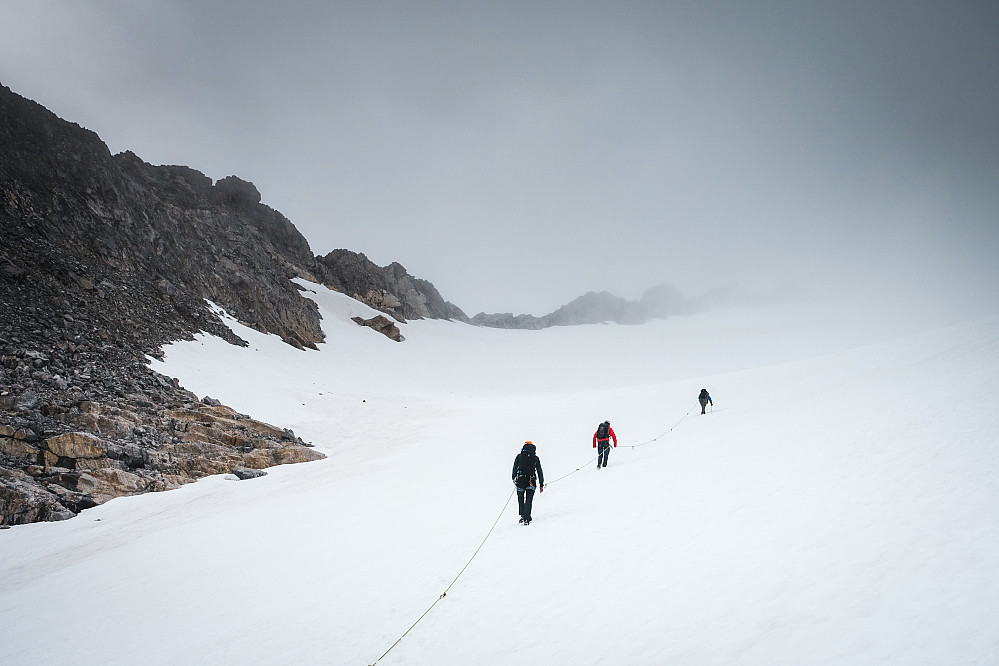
{"points": [[839, 504]]}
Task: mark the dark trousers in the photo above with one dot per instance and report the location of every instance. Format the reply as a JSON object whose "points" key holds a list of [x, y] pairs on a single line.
{"points": [[704, 403], [603, 450], [525, 498]]}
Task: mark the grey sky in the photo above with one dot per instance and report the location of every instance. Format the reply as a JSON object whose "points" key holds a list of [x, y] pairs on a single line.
{"points": [[518, 154]]}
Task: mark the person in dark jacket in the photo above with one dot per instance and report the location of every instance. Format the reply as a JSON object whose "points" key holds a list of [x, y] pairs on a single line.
{"points": [[704, 399], [601, 442], [527, 476]]}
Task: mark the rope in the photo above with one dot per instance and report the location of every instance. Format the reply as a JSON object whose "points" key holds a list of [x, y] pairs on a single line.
{"points": [[496, 522], [444, 593], [633, 446], [573, 471]]}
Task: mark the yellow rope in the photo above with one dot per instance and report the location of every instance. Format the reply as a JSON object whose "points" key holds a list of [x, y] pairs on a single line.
{"points": [[444, 594]]}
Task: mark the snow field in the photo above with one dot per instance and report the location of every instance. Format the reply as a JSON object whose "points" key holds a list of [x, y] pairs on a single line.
{"points": [[833, 509]]}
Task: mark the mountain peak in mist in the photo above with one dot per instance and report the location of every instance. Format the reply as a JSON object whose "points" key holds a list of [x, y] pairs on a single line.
{"points": [[595, 307]]}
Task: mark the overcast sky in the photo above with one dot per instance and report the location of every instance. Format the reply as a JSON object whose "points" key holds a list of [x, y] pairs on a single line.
{"points": [[519, 154]]}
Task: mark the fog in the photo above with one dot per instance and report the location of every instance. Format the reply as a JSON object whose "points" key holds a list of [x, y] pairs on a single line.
{"points": [[519, 154]]}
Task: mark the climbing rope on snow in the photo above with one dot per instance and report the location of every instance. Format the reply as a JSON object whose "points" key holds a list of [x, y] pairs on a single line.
{"points": [[633, 446], [564, 476], [659, 436], [444, 593], [496, 522]]}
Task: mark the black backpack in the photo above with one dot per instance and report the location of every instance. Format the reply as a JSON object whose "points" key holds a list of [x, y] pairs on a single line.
{"points": [[602, 431], [526, 462]]}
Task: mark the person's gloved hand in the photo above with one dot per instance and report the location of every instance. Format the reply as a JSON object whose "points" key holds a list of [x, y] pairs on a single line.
{"points": [[542, 489]]}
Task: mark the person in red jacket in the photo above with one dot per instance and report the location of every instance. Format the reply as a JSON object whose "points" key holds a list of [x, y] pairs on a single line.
{"points": [[601, 442]]}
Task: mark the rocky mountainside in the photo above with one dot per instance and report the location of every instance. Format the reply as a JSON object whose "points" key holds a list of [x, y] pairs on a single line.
{"points": [[389, 289], [597, 307], [104, 259]]}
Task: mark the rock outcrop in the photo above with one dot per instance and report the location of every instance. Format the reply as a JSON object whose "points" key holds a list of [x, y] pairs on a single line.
{"points": [[383, 325], [118, 451], [103, 260], [391, 289]]}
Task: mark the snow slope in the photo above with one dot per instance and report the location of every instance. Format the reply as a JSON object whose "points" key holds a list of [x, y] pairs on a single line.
{"points": [[838, 506]]}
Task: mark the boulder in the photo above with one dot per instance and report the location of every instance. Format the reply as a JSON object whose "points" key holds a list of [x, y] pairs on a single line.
{"points": [[381, 324], [244, 473]]}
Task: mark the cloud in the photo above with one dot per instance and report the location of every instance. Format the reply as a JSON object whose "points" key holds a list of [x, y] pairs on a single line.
{"points": [[520, 155]]}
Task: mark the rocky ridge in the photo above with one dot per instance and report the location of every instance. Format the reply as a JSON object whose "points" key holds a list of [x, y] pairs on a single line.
{"points": [[103, 260], [390, 289]]}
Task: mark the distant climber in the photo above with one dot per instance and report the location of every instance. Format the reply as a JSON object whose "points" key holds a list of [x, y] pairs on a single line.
{"points": [[704, 399], [601, 442], [527, 476]]}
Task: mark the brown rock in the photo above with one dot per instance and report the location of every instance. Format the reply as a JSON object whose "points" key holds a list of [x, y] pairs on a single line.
{"points": [[108, 483], [15, 448], [75, 445], [294, 453], [383, 325]]}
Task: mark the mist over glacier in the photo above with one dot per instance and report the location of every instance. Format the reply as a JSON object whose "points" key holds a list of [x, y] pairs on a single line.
{"points": [[836, 506]]}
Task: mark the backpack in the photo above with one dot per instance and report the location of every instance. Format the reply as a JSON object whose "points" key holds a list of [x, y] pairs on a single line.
{"points": [[526, 462], [602, 431]]}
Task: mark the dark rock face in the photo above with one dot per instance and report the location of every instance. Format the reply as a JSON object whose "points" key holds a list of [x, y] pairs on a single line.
{"points": [[78, 216], [594, 308], [103, 260], [381, 324], [390, 289]]}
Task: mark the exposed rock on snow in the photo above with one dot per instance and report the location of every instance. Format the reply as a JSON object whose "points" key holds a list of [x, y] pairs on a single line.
{"points": [[391, 289], [382, 325], [105, 259], [135, 453], [244, 473]]}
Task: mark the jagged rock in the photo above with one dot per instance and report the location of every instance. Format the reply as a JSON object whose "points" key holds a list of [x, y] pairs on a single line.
{"points": [[22, 500], [391, 289], [153, 241], [233, 190], [382, 325], [106, 258]]}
